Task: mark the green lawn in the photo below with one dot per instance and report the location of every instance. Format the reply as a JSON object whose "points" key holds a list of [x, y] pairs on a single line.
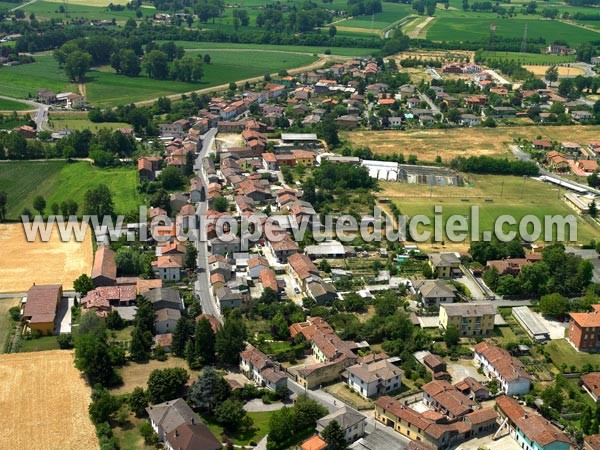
{"points": [[38, 345], [9, 105], [50, 10], [80, 121], [258, 430], [59, 180], [562, 352], [477, 29]]}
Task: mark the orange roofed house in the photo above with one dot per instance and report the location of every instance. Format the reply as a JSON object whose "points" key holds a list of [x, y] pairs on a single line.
{"points": [[40, 309], [584, 330]]}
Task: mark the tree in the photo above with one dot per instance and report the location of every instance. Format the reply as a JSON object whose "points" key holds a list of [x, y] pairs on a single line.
{"points": [[156, 64], [83, 284], [451, 336], [182, 334], [554, 305], [166, 384], [551, 74], [39, 204], [190, 260], [230, 340], [77, 64], [114, 321], [89, 323], [334, 435], [586, 420], [593, 211], [206, 59], [141, 343], [280, 327], [93, 359], [220, 204], [98, 202], [332, 31], [126, 62], [3, 203], [138, 401], [171, 178], [103, 405], [208, 391], [231, 414], [204, 341]]}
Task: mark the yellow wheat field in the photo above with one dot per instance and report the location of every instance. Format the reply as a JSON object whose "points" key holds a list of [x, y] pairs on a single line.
{"points": [[24, 263], [44, 403]]}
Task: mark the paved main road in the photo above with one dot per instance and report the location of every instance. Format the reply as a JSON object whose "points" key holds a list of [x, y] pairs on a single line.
{"points": [[202, 285]]}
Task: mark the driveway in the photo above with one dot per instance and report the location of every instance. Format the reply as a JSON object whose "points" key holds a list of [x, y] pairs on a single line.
{"points": [[63, 316], [257, 405]]}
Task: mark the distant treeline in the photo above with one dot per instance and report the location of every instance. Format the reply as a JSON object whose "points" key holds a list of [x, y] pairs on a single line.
{"points": [[494, 166]]}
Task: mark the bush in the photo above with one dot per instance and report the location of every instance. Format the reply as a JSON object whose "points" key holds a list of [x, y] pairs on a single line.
{"points": [[15, 313], [145, 429], [65, 341]]}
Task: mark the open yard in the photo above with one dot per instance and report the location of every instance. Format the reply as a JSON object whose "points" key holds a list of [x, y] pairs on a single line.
{"points": [[59, 180], [561, 352], [530, 58], [427, 144], [135, 374], [494, 195], [79, 121], [45, 403], [255, 433], [25, 263]]}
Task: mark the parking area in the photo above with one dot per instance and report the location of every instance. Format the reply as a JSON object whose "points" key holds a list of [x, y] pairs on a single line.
{"points": [[556, 328], [504, 443], [463, 368]]}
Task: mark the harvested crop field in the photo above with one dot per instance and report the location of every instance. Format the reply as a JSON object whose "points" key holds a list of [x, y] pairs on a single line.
{"points": [[427, 144], [41, 262], [563, 71], [45, 401]]}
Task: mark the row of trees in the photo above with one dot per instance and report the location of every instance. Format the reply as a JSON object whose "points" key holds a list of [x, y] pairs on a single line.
{"points": [[496, 166]]}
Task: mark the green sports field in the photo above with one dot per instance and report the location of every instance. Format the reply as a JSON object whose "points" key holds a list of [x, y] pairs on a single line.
{"points": [[530, 58], [59, 180]]}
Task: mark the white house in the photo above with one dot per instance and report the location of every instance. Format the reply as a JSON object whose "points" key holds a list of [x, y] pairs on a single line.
{"points": [[166, 417], [350, 420], [259, 368], [374, 378], [166, 320], [497, 363]]}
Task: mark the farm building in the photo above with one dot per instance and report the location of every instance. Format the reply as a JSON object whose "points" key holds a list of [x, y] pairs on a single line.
{"points": [[436, 176], [531, 323]]}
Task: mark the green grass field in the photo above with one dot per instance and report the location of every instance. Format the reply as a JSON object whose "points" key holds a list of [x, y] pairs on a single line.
{"points": [[211, 46], [59, 180], [79, 9], [79, 121], [530, 58], [23, 81], [562, 352], [494, 195], [38, 345], [392, 12], [478, 29], [9, 105]]}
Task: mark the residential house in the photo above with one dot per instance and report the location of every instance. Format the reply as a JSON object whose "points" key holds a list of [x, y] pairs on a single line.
{"points": [[469, 120], [374, 378], [592, 442], [447, 399], [591, 384], [228, 298], [497, 363], [39, 312], [176, 129], [256, 264], [104, 270], [222, 247], [432, 293], [584, 330], [168, 267], [470, 319], [166, 417], [268, 280], [542, 144], [436, 366], [258, 367], [165, 341], [431, 428], [529, 429], [318, 374], [165, 320], [572, 148], [351, 422], [192, 436], [283, 248], [164, 298], [445, 265], [473, 389], [148, 166]]}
